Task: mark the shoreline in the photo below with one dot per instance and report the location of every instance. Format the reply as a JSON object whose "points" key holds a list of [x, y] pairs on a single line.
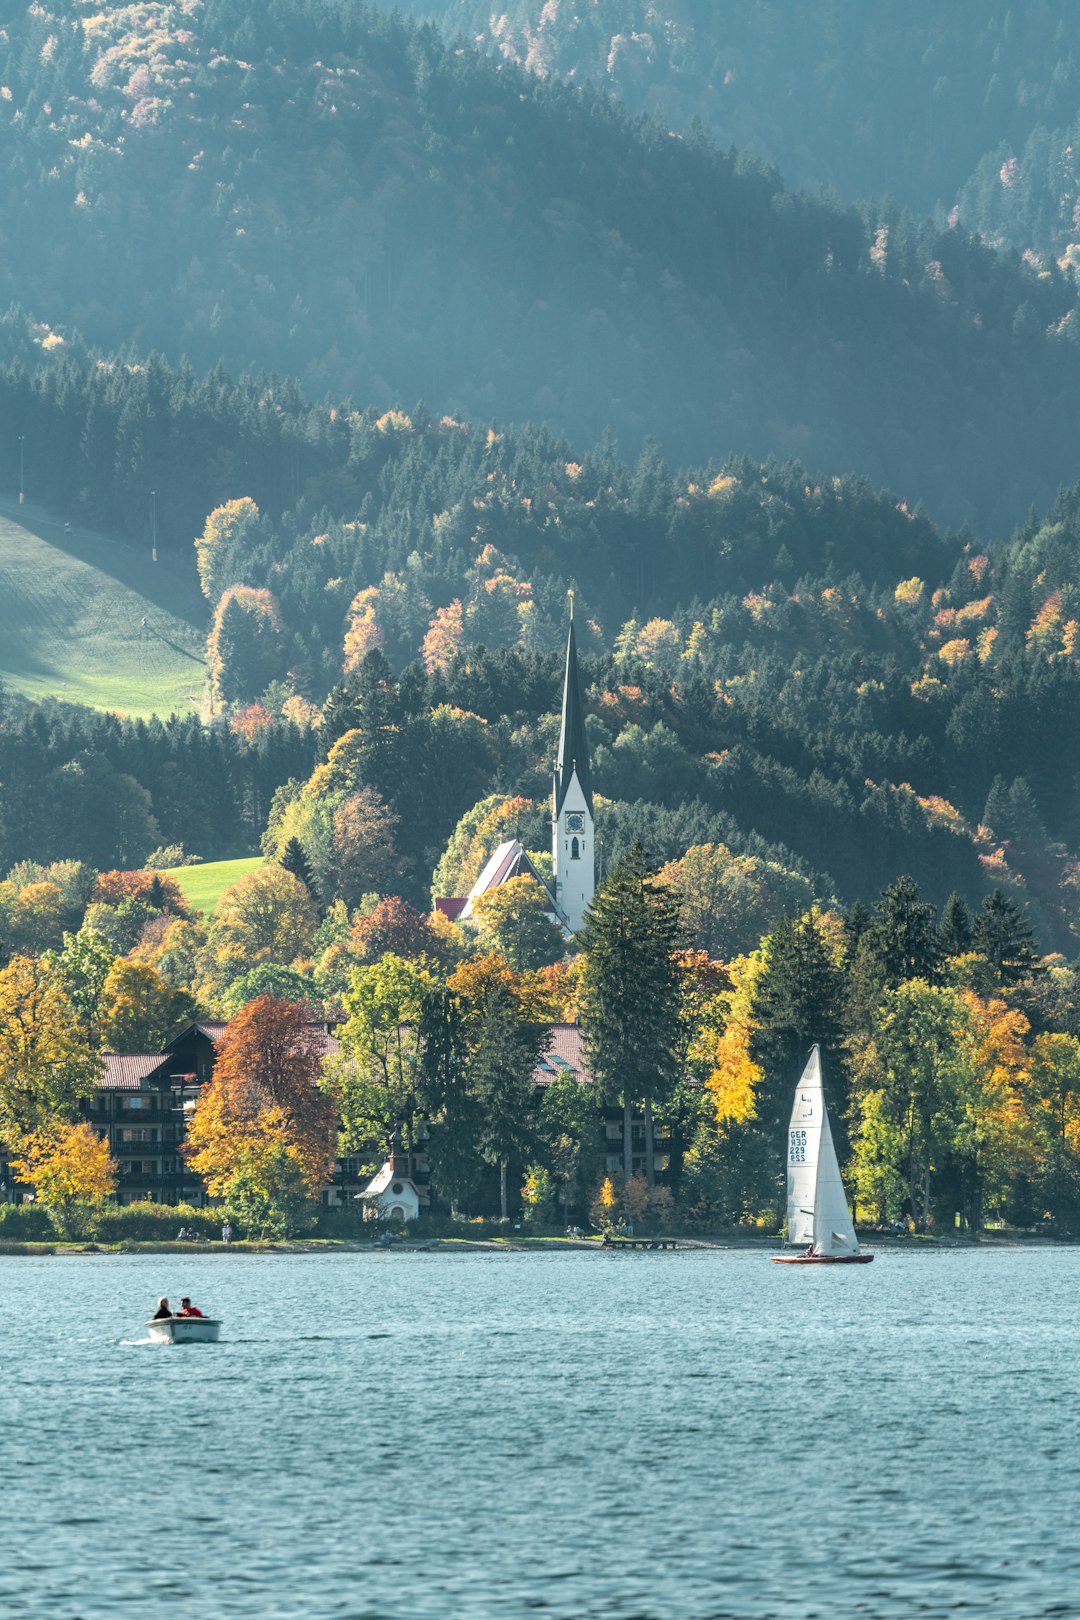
{"points": [[515, 1245]]}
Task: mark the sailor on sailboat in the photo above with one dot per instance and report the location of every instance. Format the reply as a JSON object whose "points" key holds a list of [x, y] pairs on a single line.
{"points": [[817, 1206]]}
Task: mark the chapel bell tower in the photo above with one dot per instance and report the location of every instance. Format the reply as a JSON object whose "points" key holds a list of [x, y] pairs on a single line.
{"points": [[572, 833]]}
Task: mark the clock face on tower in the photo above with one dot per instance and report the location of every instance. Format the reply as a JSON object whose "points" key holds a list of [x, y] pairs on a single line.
{"points": [[575, 821]]}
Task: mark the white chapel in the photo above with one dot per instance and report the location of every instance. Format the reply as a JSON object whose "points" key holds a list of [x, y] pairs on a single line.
{"points": [[573, 839]]}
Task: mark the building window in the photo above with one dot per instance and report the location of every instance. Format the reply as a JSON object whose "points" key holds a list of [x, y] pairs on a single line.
{"points": [[397, 1189], [575, 850]]}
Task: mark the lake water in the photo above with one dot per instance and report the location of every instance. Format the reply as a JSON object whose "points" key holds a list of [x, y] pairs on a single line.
{"points": [[641, 1436]]}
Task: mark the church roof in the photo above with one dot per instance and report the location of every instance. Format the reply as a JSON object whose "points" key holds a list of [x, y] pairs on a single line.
{"points": [[573, 744], [508, 861], [382, 1179]]}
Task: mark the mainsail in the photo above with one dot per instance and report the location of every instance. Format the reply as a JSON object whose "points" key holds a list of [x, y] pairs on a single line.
{"points": [[817, 1205]]}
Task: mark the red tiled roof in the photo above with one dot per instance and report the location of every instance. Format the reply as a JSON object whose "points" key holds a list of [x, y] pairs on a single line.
{"points": [[325, 1044], [451, 906], [124, 1071], [566, 1054]]}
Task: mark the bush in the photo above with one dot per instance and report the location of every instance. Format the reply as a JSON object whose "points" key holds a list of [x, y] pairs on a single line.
{"points": [[149, 1223], [346, 1223], [26, 1223]]}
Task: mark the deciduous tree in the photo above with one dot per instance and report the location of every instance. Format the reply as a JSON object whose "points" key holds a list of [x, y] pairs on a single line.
{"points": [[265, 1085], [138, 1010], [512, 921], [71, 1172], [46, 1060]]}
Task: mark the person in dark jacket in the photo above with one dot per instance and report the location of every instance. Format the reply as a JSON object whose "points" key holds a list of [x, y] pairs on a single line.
{"points": [[162, 1311]]}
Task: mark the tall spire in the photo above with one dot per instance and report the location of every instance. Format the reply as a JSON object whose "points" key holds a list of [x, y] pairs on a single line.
{"points": [[573, 744]]}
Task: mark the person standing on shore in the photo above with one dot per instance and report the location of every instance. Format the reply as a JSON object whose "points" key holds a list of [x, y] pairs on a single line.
{"points": [[226, 1234]]}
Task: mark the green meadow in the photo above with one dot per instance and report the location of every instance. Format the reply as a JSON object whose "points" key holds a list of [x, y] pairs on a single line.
{"points": [[202, 886], [90, 620]]}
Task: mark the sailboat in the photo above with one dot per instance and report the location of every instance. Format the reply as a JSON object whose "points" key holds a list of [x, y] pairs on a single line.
{"points": [[817, 1206]]}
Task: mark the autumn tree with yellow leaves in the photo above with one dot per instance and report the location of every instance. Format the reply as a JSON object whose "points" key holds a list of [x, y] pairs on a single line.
{"points": [[46, 1060], [71, 1171]]}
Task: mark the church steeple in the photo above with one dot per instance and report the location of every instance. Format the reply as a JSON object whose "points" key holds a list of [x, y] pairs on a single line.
{"points": [[573, 744], [572, 838]]}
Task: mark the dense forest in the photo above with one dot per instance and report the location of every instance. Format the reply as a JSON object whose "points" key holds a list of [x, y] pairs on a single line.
{"points": [[347, 199], [795, 666], [903, 96]]}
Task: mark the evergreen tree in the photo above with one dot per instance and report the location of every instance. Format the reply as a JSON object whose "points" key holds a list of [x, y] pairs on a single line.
{"points": [[796, 1002], [294, 859], [453, 1112], [904, 936], [506, 1047], [1005, 937], [996, 809], [857, 919], [954, 930], [630, 1002]]}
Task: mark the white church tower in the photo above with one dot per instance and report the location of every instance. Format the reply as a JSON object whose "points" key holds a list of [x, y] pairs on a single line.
{"points": [[573, 841]]}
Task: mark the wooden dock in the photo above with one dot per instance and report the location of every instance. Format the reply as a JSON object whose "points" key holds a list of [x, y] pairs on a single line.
{"points": [[639, 1243]]}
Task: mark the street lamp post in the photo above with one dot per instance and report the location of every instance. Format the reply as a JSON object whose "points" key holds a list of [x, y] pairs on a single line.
{"points": [[22, 468], [153, 525]]}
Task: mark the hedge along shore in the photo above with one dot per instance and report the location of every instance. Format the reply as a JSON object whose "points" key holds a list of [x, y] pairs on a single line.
{"points": [[518, 1244]]}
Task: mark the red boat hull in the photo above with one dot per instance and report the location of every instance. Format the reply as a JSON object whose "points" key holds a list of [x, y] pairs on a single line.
{"points": [[821, 1259]]}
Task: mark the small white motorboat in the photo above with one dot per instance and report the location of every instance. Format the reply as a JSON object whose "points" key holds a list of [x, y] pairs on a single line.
{"points": [[184, 1330]]}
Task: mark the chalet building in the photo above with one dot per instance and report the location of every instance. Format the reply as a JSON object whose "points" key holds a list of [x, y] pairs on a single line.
{"points": [[566, 1055], [144, 1101], [142, 1105]]}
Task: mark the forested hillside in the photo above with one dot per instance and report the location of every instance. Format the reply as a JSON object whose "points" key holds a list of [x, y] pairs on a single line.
{"points": [[794, 665], [968, 111], [900, 96], [331, 193]]}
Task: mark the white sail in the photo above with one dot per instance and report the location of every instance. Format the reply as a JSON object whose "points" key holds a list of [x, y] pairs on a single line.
{"points": [[804, 1136], [817, 1209]]}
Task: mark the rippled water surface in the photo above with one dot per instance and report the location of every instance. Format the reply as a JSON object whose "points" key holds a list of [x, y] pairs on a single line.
{"points": [[565, 1434]]}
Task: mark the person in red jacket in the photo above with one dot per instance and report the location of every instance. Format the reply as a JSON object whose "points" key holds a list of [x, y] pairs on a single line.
{"points": [[188, 1309]]}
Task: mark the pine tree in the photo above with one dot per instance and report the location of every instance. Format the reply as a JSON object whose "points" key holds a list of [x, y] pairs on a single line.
{"points": [[1005, 937], [996, 810], [630, 994], [954, 931], [505, 1051], [796, 1002], [904, 936], [294, 859], [857, 920]]}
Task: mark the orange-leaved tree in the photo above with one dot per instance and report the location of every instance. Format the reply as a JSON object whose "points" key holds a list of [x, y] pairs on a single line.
{"points": [[264, 1108]]}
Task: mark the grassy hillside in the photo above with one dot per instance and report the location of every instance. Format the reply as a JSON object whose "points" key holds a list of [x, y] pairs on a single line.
{"points": [[203, 886], [92, 621]]}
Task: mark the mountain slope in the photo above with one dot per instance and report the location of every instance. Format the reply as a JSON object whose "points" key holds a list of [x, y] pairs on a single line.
{"points": [[336, 195], [903, 96], [95, 622]]}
